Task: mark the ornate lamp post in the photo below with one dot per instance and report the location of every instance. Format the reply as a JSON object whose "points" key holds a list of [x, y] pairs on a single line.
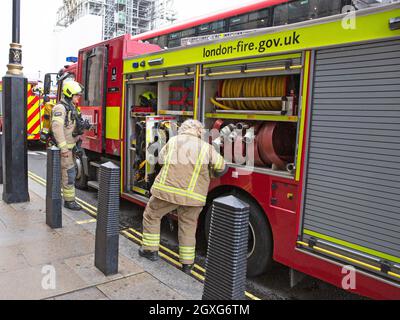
{"points": [[15, 145]]}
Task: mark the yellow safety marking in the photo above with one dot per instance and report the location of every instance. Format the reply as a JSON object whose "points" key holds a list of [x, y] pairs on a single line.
{"points": [[196, 93], [180, 192], [340, 256], [353, 246], [197, 168], [251, 296], [85, 205], [370, 26], [59, 120], [113, 127], [129, 235], [86, 221], [219, 164], [122, 135], [168, 250], [304, 107], [62, 144], [151, 235], [252, 117], [35, 120], [168, 162], [263, 59], [34, 107]]}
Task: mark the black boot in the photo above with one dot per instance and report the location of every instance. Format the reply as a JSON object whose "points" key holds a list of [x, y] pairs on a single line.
{"points": [[151, 255], [72, 205], [187, 268]]}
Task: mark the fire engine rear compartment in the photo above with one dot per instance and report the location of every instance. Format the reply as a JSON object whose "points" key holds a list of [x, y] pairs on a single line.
{"points": [[352, 188]]}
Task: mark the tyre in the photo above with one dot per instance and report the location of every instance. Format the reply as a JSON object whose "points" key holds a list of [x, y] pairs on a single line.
{"points": [[260, 246], [81, 178]]}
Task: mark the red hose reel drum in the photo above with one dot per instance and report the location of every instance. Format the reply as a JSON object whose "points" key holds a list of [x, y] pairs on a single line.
{"points": [[258, 162], [277, 143]]}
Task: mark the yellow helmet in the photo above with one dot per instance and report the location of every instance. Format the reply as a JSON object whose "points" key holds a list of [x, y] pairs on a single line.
{"points": [[72, 88]]}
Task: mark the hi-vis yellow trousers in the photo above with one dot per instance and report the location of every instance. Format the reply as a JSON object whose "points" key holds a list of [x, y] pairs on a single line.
{"points": [[68, 174], [187, 220]]}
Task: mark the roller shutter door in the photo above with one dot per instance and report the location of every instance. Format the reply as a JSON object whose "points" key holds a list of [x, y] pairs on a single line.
{"points": [[352, 190]]}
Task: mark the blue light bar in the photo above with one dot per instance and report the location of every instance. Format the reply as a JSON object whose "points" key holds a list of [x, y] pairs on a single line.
{"points": [[72, 59]]}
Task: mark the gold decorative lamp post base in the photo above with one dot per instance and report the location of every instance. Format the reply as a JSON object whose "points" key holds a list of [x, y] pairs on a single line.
{"points": [[15, 66]]}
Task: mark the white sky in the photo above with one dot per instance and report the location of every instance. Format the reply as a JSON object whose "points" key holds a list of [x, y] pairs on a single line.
{"points": [[38, 18]]}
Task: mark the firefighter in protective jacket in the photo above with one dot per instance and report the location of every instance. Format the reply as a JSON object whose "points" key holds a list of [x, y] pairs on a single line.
{"points": [[63, 126], [182, 185]]}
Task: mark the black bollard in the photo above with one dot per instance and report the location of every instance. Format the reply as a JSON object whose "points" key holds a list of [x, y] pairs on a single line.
{"points": [[107, 229], [53, 189], [15, 157], [226, 262]]}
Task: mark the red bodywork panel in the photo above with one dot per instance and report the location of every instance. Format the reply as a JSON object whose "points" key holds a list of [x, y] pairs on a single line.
{"points": [[284, 217], [118, 49]]}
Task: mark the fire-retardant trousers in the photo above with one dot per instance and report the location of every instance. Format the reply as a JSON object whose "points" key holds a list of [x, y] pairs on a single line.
{"points": [[68, 177], [187, 223]]}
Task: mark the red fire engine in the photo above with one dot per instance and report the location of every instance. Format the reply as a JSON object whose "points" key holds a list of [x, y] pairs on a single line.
{"points": [[321, 112]]}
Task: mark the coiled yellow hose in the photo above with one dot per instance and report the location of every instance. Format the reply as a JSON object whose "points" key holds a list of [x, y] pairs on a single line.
{"points": [[249, 88]]}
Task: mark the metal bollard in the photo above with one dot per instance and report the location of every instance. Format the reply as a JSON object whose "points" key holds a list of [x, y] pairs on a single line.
{"points": [[107, 229], [1, 157], [226, 262], [53, 189]]}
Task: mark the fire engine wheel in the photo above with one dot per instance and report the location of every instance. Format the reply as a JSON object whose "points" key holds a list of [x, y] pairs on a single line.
{"points": [[259, 256], [81, 178]]}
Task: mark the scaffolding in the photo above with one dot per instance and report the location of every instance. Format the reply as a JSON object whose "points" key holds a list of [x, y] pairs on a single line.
{"points": [[119, 16]]}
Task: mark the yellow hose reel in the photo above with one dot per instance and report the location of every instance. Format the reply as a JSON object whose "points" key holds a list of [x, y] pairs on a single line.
{"points": [[258, 87]]}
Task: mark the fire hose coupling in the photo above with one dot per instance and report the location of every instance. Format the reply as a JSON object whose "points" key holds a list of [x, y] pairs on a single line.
{"points": [[249, 136], [234, 135], [291, 168], [218, 143], [226, 131], [242, 126]]}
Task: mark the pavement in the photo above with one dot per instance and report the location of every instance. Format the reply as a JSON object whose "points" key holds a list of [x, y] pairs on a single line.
{"points": [[37, 262]]}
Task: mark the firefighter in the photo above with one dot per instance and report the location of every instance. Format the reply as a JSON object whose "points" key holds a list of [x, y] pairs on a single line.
{"points": [[63, 127], [182, 185]]}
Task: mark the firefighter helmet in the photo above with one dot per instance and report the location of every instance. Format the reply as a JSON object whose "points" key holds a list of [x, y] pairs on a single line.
{"points": [[72, 88], [148, 99]]}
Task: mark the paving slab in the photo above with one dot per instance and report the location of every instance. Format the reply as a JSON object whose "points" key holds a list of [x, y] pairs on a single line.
{"points": [[61, 248], [187, 286], [85, 268], [142, 286], [26, 284], [11, 259], [28, 234], [27, 245]]}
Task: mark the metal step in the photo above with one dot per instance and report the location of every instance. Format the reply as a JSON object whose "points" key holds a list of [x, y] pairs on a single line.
{"points": [[94, 184]]}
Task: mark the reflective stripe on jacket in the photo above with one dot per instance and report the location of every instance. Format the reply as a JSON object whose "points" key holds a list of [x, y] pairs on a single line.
{"points": [[189, 164]]}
